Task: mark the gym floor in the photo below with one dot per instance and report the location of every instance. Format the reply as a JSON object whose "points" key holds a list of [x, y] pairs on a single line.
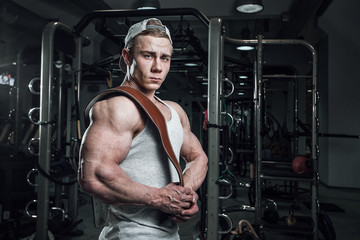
{"points": [[344, 214]]}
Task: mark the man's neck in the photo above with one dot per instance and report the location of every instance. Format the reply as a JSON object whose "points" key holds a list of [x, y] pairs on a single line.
{"points": [[129, 83]]}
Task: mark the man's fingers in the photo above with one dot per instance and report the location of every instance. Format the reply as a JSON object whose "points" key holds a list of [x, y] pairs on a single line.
{"points": [[187, 190], [175, 198], [186, 213], [191, 211], [186, 205], [180, 218]]}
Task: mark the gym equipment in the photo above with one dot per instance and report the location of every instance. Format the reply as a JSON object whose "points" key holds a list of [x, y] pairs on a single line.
{"points": [[271, 214], [33, 86], [50, 236], [326, 227], [290, 220], [225, 224], [225, 188], [34, 119], [32, 213], [244, 231], [229, 155], [33, 146], [282, 161], [58, 219], [28, 177], [56, 123], [225, 80], [301, 165]]}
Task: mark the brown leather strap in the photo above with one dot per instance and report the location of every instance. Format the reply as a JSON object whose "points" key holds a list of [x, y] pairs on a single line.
{"points": [[151, 110]]}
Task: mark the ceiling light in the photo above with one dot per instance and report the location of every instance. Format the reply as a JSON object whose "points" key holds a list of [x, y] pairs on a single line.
{"points": [[245, 48], [249, 6], [191, 64], [147, 4]]}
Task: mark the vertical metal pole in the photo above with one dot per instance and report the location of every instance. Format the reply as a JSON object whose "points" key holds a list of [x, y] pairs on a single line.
{"points": [[78, 65], [59, 121], [258, 138], [73, 189], [46, 85], [79, 47], [315, 147], [253, 170], [214, 76], [46, 78], [18, 106], [296, 116], [60, 84]]}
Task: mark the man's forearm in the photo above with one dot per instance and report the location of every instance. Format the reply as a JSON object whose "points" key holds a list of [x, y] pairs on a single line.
{"points": [[195, 172], [122, 190]]}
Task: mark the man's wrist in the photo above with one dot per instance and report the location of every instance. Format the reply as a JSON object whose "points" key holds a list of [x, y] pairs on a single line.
{"points": [[151, 197]]}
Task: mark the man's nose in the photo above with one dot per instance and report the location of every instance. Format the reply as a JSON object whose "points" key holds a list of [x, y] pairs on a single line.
{"points": [[157, 65]]}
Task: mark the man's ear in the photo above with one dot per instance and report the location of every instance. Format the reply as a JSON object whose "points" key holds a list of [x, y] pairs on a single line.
{"points": [[126, 56]]}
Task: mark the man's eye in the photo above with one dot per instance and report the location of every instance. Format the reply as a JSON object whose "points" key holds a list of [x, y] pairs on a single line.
{"points": [[165, 59], [147, 56]]}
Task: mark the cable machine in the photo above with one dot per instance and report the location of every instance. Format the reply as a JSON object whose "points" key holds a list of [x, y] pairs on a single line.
{"points": [[216, 74], [57, 126]]}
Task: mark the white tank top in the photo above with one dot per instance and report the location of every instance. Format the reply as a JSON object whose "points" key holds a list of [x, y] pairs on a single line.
{"points": [[147, 163]]}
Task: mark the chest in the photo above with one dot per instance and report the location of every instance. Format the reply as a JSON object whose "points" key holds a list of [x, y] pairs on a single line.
{"points": [[166, 112]]}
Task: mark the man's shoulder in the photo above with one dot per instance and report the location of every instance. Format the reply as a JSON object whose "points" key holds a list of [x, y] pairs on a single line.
{"points": [[116, 108], [116, 103]]}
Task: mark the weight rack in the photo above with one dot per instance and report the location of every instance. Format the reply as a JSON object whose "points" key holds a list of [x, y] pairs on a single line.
{"points": [[215, 74]]}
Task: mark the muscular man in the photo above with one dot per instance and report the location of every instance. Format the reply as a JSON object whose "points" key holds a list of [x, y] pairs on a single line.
{"points": [[122, 161]]}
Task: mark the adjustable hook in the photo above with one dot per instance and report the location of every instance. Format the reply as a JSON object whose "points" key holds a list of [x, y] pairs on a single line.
{"points": [[30, 115], [225, 183], [31, 86], [31, 172], [31, 144], [227, 221], [232, 87]]}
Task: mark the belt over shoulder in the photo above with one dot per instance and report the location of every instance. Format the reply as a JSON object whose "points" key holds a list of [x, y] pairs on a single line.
{"points": [[150, 109]]}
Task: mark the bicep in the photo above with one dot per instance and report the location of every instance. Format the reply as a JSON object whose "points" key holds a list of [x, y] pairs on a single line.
{"points": [[102, 144], [191, 147], [100, 154], [105, 144]]}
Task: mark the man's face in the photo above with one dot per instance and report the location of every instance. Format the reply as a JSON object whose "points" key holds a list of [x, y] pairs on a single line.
{"points": [[150, 62]]}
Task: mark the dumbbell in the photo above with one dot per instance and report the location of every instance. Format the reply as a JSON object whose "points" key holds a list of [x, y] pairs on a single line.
{"points": [[290, 220]]}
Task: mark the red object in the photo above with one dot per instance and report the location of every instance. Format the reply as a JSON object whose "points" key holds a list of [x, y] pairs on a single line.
{"points": [[205, 120], [301, 165]]}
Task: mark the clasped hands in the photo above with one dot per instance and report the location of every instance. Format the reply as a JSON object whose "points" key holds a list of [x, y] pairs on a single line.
{"points": [[180, 202]]}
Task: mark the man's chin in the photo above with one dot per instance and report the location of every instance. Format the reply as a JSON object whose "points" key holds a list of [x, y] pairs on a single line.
{"points": [[151, 87]]}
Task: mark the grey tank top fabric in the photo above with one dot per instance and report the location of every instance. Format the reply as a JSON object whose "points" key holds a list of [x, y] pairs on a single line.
{"points": [[147, 163]]}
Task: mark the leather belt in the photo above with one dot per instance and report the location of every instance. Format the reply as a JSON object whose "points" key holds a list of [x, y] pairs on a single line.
{"points": [[150, 109]]}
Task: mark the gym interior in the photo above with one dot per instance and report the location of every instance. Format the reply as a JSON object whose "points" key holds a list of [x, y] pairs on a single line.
{"points": [[279, 121]]}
